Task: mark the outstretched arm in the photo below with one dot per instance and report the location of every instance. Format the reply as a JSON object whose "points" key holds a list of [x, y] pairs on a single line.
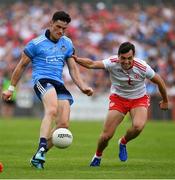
{"points": [[75, 75], [89, 63], [16, 75], [162, 89]]}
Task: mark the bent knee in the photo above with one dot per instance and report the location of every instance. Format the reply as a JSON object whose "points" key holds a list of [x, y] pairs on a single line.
{"points": [[138, 127], [52, 112]]}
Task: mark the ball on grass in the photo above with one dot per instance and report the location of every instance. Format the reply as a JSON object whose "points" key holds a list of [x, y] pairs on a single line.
{"points": [[62, 138]]}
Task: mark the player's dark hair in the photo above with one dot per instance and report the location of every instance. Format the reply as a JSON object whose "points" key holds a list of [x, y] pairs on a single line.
{"points": [[126, 47], [62, 16]]}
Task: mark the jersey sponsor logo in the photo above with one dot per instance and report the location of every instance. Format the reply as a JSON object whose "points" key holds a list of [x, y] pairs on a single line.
{"points": [[54, 59]]}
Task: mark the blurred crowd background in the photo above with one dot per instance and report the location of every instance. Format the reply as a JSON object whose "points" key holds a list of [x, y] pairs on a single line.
{"points": [[97, 28]]}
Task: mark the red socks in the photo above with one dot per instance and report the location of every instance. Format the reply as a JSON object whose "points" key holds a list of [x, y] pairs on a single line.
{"points": [[98, 153], [123, 140]]}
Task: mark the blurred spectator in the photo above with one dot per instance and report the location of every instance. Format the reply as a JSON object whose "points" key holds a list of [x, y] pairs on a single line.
{"points": [[96, 32]]}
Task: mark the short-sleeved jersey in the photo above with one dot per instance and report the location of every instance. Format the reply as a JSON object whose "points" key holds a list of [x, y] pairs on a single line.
{"points": [[48, 57], [128, 83]]}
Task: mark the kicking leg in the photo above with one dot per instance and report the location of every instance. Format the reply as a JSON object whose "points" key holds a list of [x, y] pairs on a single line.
{"points": [[50, 112]]}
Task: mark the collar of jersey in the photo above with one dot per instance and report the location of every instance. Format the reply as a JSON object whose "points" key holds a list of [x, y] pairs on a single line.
{"points": [[47, 34]]}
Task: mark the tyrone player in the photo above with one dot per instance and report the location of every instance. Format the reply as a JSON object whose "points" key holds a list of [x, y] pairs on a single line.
{"points": [[128, 94]]}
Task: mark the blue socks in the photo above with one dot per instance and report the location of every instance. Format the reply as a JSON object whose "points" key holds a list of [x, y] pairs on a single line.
{"points": [[43, 143]]}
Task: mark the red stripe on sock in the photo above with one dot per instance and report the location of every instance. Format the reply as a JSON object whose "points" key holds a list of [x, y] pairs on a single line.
{"points": [[123, 140], [98, 153]]}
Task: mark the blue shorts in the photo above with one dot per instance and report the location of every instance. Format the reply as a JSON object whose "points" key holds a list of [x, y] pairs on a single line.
{"points": [[42, 85]]}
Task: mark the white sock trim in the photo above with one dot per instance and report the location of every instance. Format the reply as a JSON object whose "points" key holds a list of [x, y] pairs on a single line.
{"points": [[98, 157]]}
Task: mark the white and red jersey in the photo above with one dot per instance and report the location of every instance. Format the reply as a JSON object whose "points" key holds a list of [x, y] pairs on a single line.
{"points": [[130, 83]]}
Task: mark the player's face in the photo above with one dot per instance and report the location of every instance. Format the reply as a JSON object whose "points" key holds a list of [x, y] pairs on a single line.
{"points": [[126, 60], [57, 29]]}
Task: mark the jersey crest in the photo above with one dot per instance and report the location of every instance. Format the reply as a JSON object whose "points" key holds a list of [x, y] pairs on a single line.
{"points": [[63, 48]]}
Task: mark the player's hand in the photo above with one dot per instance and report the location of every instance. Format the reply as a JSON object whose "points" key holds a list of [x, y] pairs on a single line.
{"points": [[88, 91], [7, 95], [75, 57], [163, 105]]}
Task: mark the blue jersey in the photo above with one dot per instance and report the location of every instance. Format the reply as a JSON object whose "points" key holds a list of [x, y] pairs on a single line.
{"points": [[48, 57]]}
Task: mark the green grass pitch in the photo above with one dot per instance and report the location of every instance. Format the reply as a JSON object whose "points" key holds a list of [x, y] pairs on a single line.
{"points": [[151, 155]]}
